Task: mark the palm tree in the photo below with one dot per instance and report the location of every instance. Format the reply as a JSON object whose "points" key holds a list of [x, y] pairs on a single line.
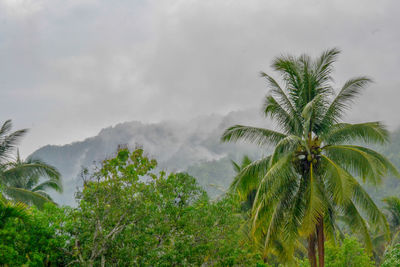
{"points": [[27, 181], [393, 207], [309, 180], [23, 180]]}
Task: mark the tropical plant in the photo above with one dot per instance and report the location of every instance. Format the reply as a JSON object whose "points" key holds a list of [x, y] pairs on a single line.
{"points": [[238, 167], [32, 238], [28, 180], [9, 210], [393, 207], [392, 257], [24, 180], [309, 180], [348, 253]]}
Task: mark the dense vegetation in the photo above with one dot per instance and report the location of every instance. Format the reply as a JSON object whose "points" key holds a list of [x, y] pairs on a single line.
{"points": [[130, 216], [303, 205]]}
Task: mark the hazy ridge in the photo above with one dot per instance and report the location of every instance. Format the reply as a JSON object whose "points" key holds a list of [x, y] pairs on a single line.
{"points": [[193, 146], [178, 146]]}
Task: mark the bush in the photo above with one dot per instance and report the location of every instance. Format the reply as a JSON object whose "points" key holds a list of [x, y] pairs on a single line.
{"points": [[33, 242], [392, 257], [350, 254]]}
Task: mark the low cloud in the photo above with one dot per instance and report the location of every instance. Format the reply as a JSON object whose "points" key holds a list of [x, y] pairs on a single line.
{"points": [[70, 68]]}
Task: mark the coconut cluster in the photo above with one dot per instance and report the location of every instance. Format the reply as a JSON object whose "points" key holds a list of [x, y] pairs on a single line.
{"points": [[304, 157]]}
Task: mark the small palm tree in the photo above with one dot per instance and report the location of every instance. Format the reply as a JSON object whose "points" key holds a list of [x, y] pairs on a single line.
{"points": [[9, 210], [309, 180], [28, 181], [25, 181]]}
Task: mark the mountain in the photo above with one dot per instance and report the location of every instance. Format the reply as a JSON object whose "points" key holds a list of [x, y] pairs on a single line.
{"points": [[193, 146], [177, 146]]}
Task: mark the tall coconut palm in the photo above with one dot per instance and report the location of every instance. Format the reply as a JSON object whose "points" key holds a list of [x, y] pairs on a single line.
{"points": [[25, 181], [309, 180]]}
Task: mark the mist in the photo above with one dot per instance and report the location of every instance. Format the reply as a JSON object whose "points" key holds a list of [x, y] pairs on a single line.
{"points": [[68, 72]]}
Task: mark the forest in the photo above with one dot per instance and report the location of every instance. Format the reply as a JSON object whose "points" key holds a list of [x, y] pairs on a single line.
{"points": [[324, 193]]}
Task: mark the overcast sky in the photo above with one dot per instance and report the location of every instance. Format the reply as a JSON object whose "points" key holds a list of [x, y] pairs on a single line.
{"points": [[70, 68]]}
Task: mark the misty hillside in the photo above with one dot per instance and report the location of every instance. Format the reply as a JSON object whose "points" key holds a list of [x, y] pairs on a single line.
{"points": [[177, 146], [192, 146]]}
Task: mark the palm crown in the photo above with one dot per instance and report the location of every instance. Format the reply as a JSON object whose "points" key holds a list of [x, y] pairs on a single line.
{"points": [[309, 180], [25, 181]]}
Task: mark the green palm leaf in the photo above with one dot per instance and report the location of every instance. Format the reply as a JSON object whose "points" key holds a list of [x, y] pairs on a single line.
{"points": [[351, 89], [254, 135], [249, 177], [369, 132]]}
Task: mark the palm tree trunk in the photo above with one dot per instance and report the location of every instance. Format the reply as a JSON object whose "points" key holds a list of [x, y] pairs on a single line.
{"points": [[321, 242], [312, 257]]}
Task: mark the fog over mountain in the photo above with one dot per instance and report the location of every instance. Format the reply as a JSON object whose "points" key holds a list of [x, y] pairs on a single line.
{"points": [[70, 68], [193, 146], [178, 146]]}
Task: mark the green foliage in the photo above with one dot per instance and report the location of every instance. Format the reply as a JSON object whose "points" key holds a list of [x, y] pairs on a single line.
{"points": [[33, 241], [129, 216], [10, 210], [392, 257], [349, 253]]}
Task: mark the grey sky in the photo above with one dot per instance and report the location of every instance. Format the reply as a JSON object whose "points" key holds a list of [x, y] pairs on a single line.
{"points": [[69, 68]]}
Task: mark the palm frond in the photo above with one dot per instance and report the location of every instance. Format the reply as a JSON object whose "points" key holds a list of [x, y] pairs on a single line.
{"points": [[10, 210], [315, 204], [254, 135], [8, 143], [350, 90], [5, 128], [26, 196], [287, 145], [364, 202], [44, 194], [368, 164], [324, 65], [357, 224], [249, 177], [277, 174], [338, 180], [276, 223], [389, 168], [32, 167], [276, 112], [369, 132], [49, 184], [236, 166], [281, 106], [393, 206], [312, 113]]}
